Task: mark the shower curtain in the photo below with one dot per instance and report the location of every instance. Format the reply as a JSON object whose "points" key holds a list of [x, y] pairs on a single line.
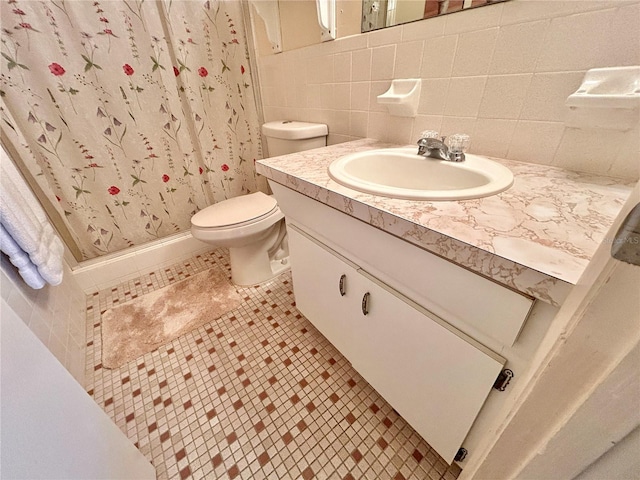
{"points": [[130, 115]]}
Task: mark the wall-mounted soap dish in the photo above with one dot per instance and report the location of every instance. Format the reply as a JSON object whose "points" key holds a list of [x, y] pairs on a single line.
{"points": [[403, 97], [608, 98]]}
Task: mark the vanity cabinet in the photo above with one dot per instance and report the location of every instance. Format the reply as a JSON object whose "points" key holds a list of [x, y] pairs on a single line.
{"points": [[433, 374]]}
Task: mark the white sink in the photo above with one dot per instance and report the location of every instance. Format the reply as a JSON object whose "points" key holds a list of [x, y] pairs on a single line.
{"points": [[402, 173]]}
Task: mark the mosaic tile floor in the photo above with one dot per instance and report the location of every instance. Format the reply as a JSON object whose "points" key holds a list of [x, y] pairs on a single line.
{"points": [[256, 394]]}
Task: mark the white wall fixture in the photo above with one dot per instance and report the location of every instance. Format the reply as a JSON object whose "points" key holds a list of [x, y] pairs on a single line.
{"points": [[608, 98], [327, 19], [270, 14], [403, 97]]}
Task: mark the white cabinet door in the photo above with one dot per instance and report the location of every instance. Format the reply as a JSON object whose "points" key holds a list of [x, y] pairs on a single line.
{"points": [[316, 285], [433, 377]]}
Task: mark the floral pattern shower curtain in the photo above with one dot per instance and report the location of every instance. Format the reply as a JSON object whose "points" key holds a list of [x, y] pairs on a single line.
{"points": [[131, 115]]}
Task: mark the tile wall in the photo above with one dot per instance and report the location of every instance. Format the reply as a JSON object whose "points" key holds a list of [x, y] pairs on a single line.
{"points": [[55, 314], [500, 73]]}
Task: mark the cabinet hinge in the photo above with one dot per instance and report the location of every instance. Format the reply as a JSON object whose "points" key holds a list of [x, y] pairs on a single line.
{"points": [[461, 455], [503, 379]]}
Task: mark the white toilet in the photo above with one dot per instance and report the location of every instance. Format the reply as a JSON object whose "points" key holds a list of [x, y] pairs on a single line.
{"points": [[252, 226]]}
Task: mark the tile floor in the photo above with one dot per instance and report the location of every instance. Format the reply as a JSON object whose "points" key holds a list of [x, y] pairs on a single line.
{"points": [[256, 394]]}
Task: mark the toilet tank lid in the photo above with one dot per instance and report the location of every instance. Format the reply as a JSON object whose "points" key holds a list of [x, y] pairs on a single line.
{"points": [[293, 130], [234, 210]]}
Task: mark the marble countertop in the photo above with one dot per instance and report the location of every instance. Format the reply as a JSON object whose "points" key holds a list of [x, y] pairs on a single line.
{"points": [[537, 237]]}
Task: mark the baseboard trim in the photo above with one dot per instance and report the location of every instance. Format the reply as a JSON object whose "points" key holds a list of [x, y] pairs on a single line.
{"points": [[109, 270]]}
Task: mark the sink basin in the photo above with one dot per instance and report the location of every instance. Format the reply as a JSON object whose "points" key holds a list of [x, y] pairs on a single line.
{"points": [[402, 173]]}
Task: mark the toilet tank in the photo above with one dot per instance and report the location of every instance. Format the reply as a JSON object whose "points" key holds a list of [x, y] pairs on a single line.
{"points": [[288, 136]]}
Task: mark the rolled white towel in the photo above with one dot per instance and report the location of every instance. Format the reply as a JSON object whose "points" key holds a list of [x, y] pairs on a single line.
{"points": [[24, 221]]}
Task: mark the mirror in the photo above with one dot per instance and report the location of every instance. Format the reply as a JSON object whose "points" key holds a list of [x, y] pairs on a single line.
{"points": [[377, 14]]}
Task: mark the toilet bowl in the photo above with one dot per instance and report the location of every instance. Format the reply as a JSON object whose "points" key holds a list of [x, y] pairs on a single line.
{"points": [[252, 226]]}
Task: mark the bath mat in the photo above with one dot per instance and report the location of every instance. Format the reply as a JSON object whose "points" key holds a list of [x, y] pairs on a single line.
{"points": [[145, 323]]}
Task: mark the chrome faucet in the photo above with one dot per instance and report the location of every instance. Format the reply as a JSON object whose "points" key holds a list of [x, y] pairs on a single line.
{"points": [[430, 146]]}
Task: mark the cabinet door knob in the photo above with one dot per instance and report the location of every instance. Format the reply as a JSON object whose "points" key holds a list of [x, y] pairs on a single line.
{"points": [[342, 285], [365, 303]]}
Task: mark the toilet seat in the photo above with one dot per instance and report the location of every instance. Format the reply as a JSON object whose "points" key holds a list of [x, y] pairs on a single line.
{"points": [[235, 212], [238, 221]]}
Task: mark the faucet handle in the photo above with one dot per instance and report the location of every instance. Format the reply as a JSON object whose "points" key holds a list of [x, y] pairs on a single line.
{"points": [[429, 134], [458, 142]]}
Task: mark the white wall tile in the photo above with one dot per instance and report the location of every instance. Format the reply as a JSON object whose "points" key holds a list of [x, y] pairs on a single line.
{"points": [[408, 59], [535, 142], [378, 126], [504, 96], [378, 88], [290, 98], [6, 285], [341, 122], [313, 99], [434, 27], [20, 304], [341, 99], [74, 362], [360, 94], [521, 11], [342, 67], [349, 44], [627, 163], [518, 47], [382, 62], [438, 57], [474, 52], [451, 125], [299, 73], [627, 46], [361, 65], [388, 128], [268, 71], [58, 349], [319, 69], [273, 113], [464, 96], [474, 19], [301, 96], [492, 137], [326, 95], [48, 309], [585, 40], [316, 115], [77, 335], [547, 93], [358, 124], [589, 150], [385, 36], [41, 328], [433, 96]]}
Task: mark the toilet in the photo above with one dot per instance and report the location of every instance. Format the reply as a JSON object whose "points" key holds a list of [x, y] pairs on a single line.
{"points": [[252, 226]]}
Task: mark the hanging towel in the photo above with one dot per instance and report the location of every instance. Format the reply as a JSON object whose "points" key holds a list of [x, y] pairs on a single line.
{"points": [[26, 236]]}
